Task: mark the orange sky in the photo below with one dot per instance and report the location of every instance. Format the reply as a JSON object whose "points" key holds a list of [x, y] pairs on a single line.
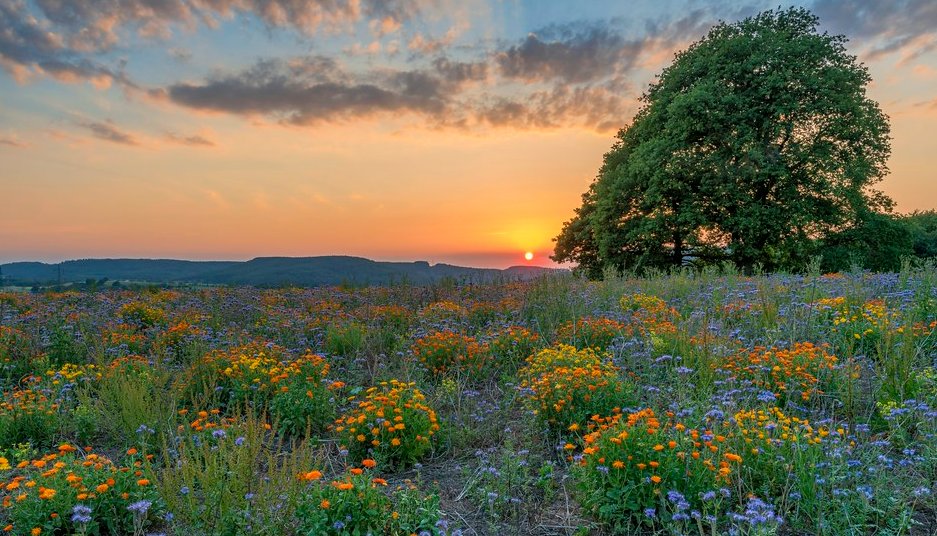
{"points": [[120, 161]]}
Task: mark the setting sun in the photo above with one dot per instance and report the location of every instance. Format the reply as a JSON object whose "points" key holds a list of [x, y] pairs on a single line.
{"points": [[529, 256]]}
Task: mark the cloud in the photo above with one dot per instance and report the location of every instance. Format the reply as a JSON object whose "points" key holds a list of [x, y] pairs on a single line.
{"points": [[97, 23], [573, 53], [593, 107], [884, 26], [63, 38], [30, 46], [11, 142], [107, 131], [428, 45], [181, 55], [195, 140], [314, 89]]}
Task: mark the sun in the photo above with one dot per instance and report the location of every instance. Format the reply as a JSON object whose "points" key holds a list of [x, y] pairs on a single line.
{"points": [[529, 256]]}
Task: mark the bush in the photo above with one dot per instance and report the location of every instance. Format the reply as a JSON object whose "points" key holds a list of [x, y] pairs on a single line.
{"points": [[344, 339], [445, 351], [356, 503], [595, 333], [511, 346], [567, 387], [296, 391], [68, 493], [392, 425], [224, 475]]}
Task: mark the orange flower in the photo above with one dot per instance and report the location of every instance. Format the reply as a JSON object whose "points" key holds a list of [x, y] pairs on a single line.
{"points": [[379, 481], [655, 479], [143, 482], [355, 470], [46, 493], [36, 531], [131, 451], [101, 488], [311, 475], [325, 504], [369, 463]]}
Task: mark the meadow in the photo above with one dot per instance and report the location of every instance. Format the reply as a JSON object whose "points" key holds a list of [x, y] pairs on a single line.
{"points": [[684, 403]]}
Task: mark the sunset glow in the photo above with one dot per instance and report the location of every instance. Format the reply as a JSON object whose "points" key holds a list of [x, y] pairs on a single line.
{"points": [[458, 132]]}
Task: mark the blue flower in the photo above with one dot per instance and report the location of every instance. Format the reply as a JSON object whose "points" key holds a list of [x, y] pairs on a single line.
{"points": [[140, 507], [81, 514]]}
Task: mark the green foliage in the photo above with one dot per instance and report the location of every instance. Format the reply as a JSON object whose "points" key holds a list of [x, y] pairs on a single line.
{"points": [[392, 424], [568, 387], [131, 398], [923, 228], [344, 339], [756, 140], [877, 242], [357, 504], [63, 480], [213, 484]]}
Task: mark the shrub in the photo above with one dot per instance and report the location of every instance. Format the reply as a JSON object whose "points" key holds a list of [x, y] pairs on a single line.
{"points": [[392, 424], [141, 315], [356, 503], [511, 346], [344, 339], [72, 493], [595, 333], [226, 475], [296, 391], [443, 351], [567, 387], [39, 409]]}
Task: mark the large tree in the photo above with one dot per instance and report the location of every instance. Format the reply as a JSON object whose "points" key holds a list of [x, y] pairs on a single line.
{"points": [[758, 141]]}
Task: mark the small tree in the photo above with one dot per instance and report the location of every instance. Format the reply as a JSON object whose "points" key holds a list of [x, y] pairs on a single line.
{"points": [[756, 142]]}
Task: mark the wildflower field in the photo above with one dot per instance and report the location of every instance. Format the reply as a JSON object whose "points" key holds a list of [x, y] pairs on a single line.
{"points": [[690, 403]]}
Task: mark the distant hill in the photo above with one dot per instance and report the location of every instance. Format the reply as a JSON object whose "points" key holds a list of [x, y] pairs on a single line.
{"points": [[262, 271]]}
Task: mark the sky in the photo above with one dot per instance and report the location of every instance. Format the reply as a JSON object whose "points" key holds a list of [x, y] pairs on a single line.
{"points": [[458, 131]]}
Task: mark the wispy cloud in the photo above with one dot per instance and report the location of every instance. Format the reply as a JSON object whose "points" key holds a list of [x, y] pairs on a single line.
{"points": [[11, 142], [883, 26], [195, 140], [107, 131]]}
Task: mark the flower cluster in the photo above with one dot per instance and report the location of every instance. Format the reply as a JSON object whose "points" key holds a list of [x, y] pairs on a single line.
{"points": [[296, 391], [513, 345], [567, 386], [72, 491], [591, 332], [443, 351], [357, 503], [799, 372], [392, 424]]}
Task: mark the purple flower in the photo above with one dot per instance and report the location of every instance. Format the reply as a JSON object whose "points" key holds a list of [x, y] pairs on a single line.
{"points": [[140, 507]]}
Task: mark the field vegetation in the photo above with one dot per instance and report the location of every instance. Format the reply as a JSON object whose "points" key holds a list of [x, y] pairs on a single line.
{"points": [[684, 403]]}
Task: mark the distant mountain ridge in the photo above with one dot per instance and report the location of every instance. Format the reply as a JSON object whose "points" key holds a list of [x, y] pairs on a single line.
{"points": [[260, 271]]}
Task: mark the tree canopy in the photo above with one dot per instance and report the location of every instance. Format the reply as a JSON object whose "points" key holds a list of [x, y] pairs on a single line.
{"points": [[754, 145]]}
